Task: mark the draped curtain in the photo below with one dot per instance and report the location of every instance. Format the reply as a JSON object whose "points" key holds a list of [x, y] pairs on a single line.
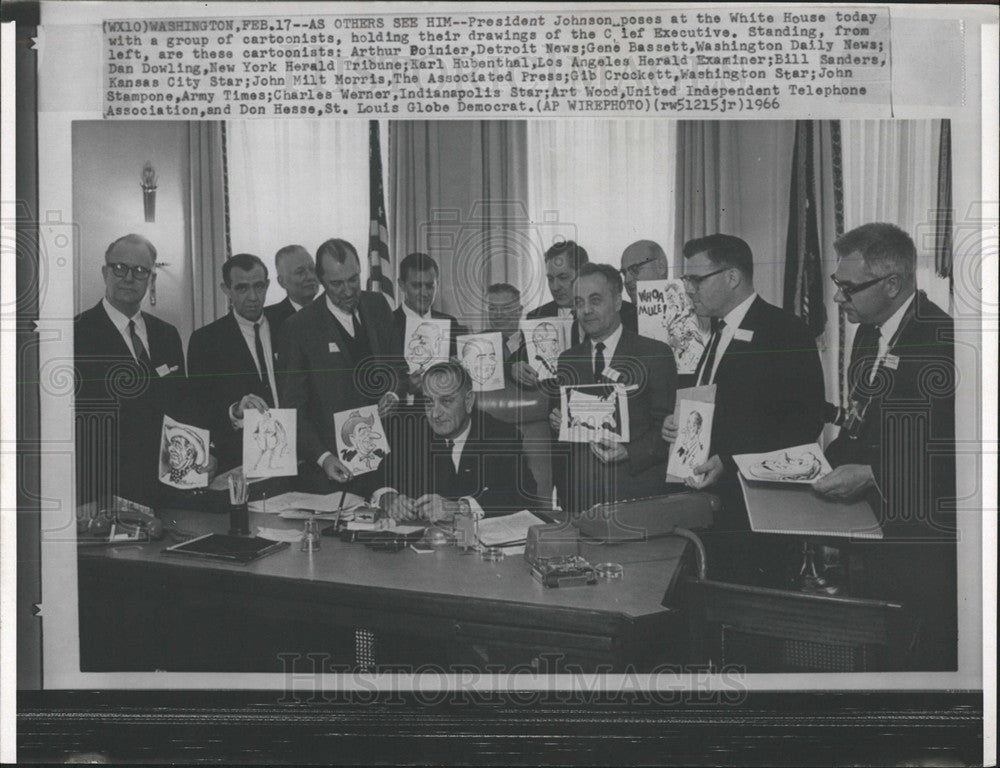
{"points": [[209, 220], [296, 181], [457, 190], [603, 183], [734, 178]]}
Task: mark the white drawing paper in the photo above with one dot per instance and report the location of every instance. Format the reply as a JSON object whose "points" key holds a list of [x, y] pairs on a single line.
{"points": [[269, 446], [481, 355], [361, 440], [693, 445], [427, 342], [544, 340], [183, 455], [593, 412], [666, 314], [799, 464]]}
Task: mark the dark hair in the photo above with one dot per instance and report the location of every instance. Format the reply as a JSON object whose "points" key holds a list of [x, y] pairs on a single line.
{"points": [[131, 240], [244, 261], [451, 368], [576, 255], [724, 250], [609, 273], [886, 248], [504, 288], [287, 251], [417, 262], [336, 249]]}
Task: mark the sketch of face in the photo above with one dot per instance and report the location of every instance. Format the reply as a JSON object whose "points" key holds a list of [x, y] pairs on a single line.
{"points": [[806, 466], [480, 360], [365, 439], [694, 423], [181, 455], [545, 337], [424, 343]]}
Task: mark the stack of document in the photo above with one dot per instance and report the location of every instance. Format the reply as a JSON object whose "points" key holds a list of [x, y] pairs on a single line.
{"points": [[507, 530]]}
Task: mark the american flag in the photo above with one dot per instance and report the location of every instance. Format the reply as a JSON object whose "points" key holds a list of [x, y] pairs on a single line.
{"points": [[803, 267], [381, 271]]}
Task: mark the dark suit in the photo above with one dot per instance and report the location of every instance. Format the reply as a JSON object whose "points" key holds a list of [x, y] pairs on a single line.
{"points": [[907, 437], [118, 396], [277, 314], [646, 367], [320, 376], [770, 391], [222, 371], [769, 395], [630, 316], [492, 468]]}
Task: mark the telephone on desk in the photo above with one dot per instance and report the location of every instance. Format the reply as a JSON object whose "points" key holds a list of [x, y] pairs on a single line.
{"points": [[647, 518], [122, 522]]}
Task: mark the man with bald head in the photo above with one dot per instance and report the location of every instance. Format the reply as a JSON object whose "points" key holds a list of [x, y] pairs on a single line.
{"points": [[642, 260], [130, 369]]}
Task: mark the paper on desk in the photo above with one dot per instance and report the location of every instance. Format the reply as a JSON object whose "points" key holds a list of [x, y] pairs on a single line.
{"points": [[279, 534], [307, 514], [507, 529], [330, 502]]}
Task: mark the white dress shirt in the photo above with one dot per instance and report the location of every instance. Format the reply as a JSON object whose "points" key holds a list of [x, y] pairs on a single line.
{"points": [[733, 320], [566, 312], [610, 345], [886, 331], [246, 328], [346, 320], [408, 312], [120, 321]]}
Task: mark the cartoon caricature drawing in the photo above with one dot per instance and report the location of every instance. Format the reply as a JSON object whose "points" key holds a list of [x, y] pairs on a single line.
{"points": [[479, 356], [183, 455], [690, 444], [789, 467], [424, 346], [271, 439], [545, 337], [361, 444]]}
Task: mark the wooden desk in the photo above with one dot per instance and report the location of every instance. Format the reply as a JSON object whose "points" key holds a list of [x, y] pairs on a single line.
{"points": [[142, 610]]}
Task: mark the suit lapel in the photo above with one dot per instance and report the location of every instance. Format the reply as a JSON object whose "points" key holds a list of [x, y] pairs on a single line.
{"points": [[244, 360], [109, 331], [333, 334], [751, 323], [369, 324]]}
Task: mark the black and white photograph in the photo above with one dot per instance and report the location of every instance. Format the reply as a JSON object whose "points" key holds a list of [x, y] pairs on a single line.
{"points": [[405, 323]]}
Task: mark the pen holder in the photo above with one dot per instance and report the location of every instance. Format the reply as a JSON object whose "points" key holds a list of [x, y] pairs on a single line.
{"points": [[239, 519]]}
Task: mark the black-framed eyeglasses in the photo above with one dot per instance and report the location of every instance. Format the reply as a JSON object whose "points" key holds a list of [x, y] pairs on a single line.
{"points": [[695, 281], [139, 272], [632, 270], [849, 289]]}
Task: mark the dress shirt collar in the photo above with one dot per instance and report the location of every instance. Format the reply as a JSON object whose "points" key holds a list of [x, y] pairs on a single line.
{"points": [[889, 327], [610, 345], [249, 324], [514, 342], [295, 305], [345, 320], [564, 312], [458, 445], [120, 319], [412, 313], [734, 318]]}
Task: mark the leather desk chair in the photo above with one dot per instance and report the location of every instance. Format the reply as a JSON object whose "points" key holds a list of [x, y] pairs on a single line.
{"points": [[528, 409]]}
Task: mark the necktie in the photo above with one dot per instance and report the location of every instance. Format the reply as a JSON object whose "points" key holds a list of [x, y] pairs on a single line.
{"points": [[874, 350], [598, 360], [705, 376], [137, 346], [451, 452], [265, 380], [358, 327]]}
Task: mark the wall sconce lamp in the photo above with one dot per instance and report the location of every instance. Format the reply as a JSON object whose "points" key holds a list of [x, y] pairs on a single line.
{"points": [[148, 183]]}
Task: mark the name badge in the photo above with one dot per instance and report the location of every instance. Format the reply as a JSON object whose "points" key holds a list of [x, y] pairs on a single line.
{"points": [[333, 347], [891, 362], [742, 334], [611, 374], [165, 370]]}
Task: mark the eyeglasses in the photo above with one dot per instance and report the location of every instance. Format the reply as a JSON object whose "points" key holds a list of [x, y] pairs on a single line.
{"points": [[694, 281], [849, 289], [632, 270], [138, 272]]}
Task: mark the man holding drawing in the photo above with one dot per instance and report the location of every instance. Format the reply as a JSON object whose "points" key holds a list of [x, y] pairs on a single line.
{"points": [[606, 471], [896, 445], [768, 378]]}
